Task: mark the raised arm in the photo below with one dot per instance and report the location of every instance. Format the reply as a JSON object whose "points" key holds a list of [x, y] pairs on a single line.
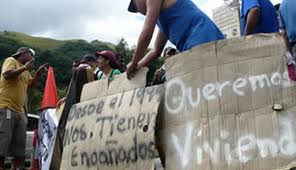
{"points": [[152, 14], [14, 73], [154, 53], [38, 74], [253, 18]]}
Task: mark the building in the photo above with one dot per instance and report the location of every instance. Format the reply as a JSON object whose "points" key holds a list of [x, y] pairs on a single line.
{"points": [[227, 19]]}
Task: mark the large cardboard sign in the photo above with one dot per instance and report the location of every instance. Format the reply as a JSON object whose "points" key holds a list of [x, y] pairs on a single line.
{"points": [[227, 105], [230, 105], [115, 128]]}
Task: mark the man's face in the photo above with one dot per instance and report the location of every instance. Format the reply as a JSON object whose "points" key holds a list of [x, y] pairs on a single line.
{"points": [[25, 57], [29, 56]]}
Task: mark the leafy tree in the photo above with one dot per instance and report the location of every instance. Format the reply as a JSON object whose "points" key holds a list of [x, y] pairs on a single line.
{"points": [[100, 46], [8, 47], [124, 51]]}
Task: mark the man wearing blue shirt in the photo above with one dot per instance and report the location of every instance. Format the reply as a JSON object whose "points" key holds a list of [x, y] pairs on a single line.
{"points": [[179, 21], [288, 24], [258, 16]]}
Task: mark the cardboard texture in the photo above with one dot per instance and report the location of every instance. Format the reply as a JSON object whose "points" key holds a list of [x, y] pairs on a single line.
{"points": [[104, 87], [113, 127], [217, 113], [218, 107]]}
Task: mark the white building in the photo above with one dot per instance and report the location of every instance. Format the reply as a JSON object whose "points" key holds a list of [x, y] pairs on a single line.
{"points": [[227, 20]]}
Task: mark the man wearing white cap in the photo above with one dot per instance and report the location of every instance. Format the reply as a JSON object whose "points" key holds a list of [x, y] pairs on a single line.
{"points": [[14, 82]]}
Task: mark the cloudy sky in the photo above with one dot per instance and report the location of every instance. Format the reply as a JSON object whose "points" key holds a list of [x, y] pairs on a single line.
{"points": [[106, 20]]}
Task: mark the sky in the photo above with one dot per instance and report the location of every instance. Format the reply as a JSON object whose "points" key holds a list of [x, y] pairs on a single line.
{"points": [[105, 20]]}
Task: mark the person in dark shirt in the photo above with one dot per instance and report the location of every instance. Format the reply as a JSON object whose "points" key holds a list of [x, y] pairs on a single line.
{"points": [[159, 76]]}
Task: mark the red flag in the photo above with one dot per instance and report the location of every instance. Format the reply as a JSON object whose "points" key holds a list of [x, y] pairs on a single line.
{"points": [[50, 97]]}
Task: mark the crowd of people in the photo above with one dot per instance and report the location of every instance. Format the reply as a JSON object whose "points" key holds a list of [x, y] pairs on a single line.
{"points": [[104, 64], [179, 21]]}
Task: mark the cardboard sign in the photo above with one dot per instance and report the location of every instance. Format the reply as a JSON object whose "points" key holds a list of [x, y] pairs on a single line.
{"points": [[227, 105], [230, 105], [114, 130]]}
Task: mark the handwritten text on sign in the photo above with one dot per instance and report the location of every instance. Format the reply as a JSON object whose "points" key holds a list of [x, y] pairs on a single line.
{"points": [[104, 132], [222, 147]]}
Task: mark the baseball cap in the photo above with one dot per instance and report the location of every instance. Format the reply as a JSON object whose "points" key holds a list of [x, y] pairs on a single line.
{"points": [[106, 54], [109, 55], [170, 50], [24, 50], [89, 58], [132, 7]]}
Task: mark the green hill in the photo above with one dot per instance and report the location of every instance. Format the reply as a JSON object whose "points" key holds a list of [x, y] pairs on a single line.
{"points": [[41, 42], [35, 42]]}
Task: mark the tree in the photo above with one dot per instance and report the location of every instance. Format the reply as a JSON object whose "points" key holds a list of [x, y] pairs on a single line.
{"points": [[124, 51]]}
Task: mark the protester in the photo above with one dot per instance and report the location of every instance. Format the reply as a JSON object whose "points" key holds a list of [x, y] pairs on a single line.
{"points": [[258, 16], [80, 77], [14, 82], [288, 24], [179, 21], [88, 61], [159, 76], [107, 65]]}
